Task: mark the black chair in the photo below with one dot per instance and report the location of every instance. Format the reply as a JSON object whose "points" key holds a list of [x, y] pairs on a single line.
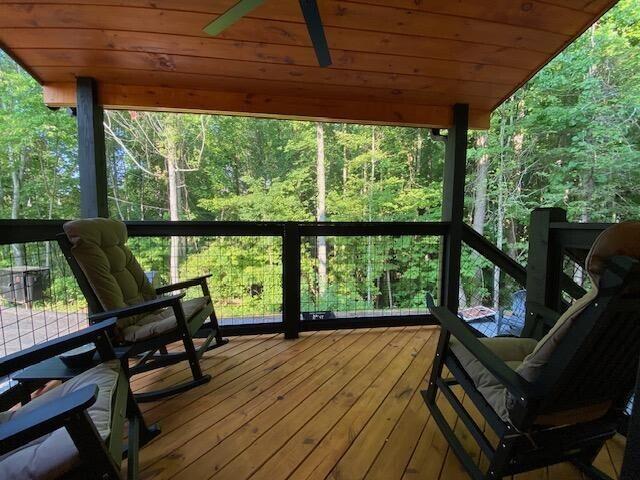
{"points": [[115, 285], [74, 430], [554, 400]]}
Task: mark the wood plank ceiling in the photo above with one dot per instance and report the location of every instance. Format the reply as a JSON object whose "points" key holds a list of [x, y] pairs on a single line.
{"points": [[403, 62]]}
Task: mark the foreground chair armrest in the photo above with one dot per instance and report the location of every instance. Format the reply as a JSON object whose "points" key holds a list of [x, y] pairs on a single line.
{"points": [[29, 356], [45, 419]]}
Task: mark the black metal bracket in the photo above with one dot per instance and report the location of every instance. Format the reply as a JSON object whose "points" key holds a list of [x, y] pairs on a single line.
{"points": [[436, 135]]}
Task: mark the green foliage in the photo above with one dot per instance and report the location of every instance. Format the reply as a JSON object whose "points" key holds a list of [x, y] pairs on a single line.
{"points": [[246, 273], [38, 168]]}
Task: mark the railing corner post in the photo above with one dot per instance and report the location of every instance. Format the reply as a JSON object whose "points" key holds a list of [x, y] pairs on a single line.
{"points": [[544, 267], [291, 280]]}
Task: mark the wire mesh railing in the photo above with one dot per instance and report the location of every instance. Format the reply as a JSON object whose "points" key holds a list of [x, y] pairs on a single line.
{"points": [[368, 275], [492, 287], [371, 271], [574, 269], [491, 301], [246, 271], [39, 298]]}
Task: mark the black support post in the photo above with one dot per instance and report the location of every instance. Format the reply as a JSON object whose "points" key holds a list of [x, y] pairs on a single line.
{"points": [[452, 211], [91, 151], [544, 267], [453, 205], [291, 280]]}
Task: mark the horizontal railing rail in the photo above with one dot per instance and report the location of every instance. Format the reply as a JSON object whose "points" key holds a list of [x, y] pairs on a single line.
{"points": [[23, 231], [498, 297], [496, 256], [576, 235]]}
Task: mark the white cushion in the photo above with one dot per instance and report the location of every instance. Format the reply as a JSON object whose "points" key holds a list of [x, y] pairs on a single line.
{"points": [[55, 454]]}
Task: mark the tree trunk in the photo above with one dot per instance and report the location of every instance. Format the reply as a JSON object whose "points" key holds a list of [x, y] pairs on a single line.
{"points": [[174, 206], [479, 207], [369, 207], [345, 166], [480, 196], [500, 214], [518, 147], [17, 174], [587, 180], [321, 210]]}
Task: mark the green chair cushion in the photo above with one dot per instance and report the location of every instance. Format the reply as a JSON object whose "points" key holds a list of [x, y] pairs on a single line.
{"points": [[99, 247]]}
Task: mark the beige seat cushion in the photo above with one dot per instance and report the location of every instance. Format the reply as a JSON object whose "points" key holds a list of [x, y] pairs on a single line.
{"points": [[619, 239], [528, 357], [53, 455], [165, 321], [511, 350]]}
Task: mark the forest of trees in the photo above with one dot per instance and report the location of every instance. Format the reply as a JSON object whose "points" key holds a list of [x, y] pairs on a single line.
{"points": [[569, 138]]}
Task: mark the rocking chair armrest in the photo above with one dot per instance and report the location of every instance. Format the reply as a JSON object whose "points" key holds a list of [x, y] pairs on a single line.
{"points": [[548, 316], [192, 282], [45, 419], [32, 355], [138, 308], [514, 383]]}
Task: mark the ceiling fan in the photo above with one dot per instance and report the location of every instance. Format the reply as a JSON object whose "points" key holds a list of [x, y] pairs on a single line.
{"points": [[309, 11]]}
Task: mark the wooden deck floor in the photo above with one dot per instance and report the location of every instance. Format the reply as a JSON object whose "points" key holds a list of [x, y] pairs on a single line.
{"points": [[340, 405]]}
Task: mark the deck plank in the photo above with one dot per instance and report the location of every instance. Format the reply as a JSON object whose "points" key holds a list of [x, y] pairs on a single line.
{"points": [[400, 445], [225, 381], [258, 386], [307, 438], [244, 465], [227, 350], [223, 449], [363, 451], [211, 426], [330, 405], [333, 446]]}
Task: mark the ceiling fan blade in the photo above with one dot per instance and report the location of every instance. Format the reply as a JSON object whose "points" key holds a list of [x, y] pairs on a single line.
{"points": [[231, 16], [316, 31]]}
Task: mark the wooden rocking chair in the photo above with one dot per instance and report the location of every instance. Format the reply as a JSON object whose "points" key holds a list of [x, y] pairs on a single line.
{"points": [[115, 285], [554, 400], [74, 430]]}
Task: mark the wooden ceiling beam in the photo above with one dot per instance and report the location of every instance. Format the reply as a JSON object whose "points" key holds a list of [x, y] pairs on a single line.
{"points": [[268, 87], [136, 97], [397, 62]]}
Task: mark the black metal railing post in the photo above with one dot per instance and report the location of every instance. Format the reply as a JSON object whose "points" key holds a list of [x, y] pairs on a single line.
{"points": [[544, 267], [291, 280]]}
